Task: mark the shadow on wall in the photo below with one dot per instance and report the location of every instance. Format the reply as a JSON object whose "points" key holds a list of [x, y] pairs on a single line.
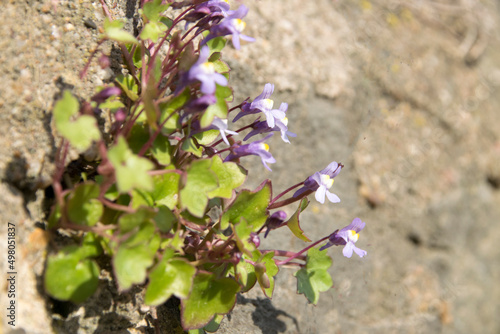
{"points": [[266, 315]]}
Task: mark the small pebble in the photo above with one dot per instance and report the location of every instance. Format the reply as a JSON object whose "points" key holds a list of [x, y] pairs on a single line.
{"points": [[90, 24], [69, 27]]}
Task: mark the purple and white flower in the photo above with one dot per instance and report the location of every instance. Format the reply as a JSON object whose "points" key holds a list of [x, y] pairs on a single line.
{"points": [[347, 237], [281, 125], [208, 11], [231, 25], [264, 104], [204, 72], [258, 148], [321, 182], [221, 125]]}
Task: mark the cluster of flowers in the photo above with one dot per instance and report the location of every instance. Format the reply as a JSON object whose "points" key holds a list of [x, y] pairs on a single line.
{"points": [[225, 22], [230, 22]]}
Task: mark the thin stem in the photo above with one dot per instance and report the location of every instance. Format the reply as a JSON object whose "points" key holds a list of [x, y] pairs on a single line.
{"points": [[116, 206], [83, 73], [290, 200], [174, 23], [284, 192], [296, 255]]}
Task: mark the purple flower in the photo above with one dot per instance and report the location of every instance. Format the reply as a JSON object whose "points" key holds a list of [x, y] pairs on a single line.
{"points": [[258, 148], [348, 237], [264, 104], [274, 221], [106, 93], [212, 10], [204, 72], [200, 103], [221, 125], [231, 25], [321, 182], [281, 125]]}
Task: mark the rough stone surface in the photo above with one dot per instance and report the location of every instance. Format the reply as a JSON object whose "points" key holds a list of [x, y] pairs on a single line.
{"points": [[403, 93]]}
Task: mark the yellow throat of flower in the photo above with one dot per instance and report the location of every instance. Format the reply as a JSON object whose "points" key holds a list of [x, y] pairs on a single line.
{"points": [[327, 181], [352, 235], [208, 67], [268, 103], [239, 24]]}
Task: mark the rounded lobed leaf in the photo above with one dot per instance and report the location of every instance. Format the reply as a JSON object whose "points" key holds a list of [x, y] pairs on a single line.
{"points": [[209, 296]]}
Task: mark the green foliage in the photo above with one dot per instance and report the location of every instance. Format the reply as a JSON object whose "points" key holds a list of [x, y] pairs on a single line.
{"points": [[113, 30], [135, 256], [229, 175], [70, 274], [216, 44], [128, 86], [209, 296], [83, 206], [293, 222], [131, 170], [265, 272], [219, 109], [171, 276], [81, 131], [200, 180], [251, 206], [314, 278]]}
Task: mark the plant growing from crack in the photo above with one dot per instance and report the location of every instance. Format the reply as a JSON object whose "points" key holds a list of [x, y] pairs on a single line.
{"points": [[167, 204]]}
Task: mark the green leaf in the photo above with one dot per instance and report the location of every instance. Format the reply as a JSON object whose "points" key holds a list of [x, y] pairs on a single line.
{"points": [[165, 219], [200, 181], [113, 30], [242, 232], [314, 278], [216, 44], [165, 192], [152, 31], [266, 277], [129, 221], [70, 278], [129, 86], [83, 207], [55, 216], [79, 132], [131, 170], [213, 325], [171, 107], [130, 265], [293, 222], [190, 145], [91, 246], [219, 108], [206, 137], [250, 205], [219, 65], [153, 9], [230, 177], [247, 274], [139, 135], [135, 256], [66, 107], [209, 296], [161, 150], [169, 277]]}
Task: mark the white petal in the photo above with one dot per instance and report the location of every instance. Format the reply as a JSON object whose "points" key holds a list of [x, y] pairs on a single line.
{"points": [[320, 194], [332, 197]]}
